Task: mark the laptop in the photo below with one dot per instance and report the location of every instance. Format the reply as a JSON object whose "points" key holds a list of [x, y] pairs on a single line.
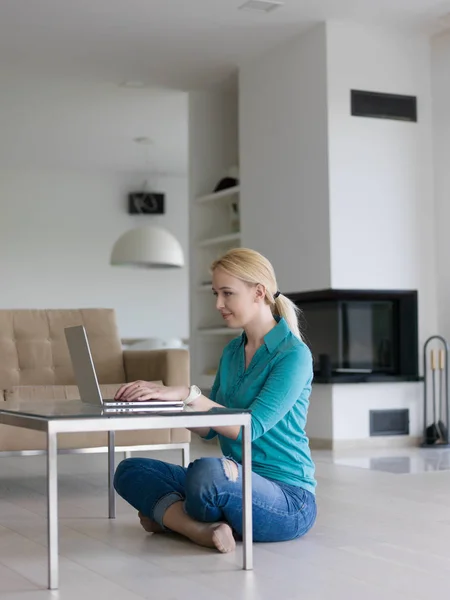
{"points": [[87, 382]]}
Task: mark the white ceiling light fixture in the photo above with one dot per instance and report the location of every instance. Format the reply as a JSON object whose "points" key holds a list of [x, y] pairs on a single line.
{"points": [[265, 6], [149, 248]]}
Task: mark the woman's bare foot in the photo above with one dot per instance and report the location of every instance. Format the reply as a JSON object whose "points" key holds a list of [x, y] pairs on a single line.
{"points": [[149, 525], [223, 538], [211, 535]]}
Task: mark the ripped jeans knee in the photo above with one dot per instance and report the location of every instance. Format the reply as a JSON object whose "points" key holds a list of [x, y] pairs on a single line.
{"points": [[207, 480], [230, 469]]}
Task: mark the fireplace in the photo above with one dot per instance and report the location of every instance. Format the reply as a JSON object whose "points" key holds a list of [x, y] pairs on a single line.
{"points": [[360, 335]]}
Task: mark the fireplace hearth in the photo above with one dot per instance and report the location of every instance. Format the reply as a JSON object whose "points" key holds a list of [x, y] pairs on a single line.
{"points": [[361, 335]]}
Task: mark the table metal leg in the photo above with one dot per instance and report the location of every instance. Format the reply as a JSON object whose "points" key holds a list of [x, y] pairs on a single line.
{"points": [[247, 528], [186, 455], [52, 509], [111, 492]]}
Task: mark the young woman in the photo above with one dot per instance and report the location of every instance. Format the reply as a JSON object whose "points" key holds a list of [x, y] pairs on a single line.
{"points": [[267, 369]]}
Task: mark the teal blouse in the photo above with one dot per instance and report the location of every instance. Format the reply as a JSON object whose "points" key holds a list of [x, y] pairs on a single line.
{"points": [[276, 387]]}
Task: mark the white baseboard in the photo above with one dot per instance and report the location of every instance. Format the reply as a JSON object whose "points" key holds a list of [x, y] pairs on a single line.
{"points": [[401, 441]]}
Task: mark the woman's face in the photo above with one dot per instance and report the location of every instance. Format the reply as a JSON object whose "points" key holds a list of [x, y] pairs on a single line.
{"points": [[237, 301]]}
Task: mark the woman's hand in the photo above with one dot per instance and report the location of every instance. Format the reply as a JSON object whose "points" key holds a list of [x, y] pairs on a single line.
{"points": [[146, 390]]}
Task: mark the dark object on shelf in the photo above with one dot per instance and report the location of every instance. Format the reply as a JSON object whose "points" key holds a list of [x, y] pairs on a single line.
{"points": [[367, 335], [436, 433], [226, 183], [146, 203]]}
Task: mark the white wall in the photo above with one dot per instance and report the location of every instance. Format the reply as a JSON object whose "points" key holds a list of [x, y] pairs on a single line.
{"points": [[335, 200], [441, 137], [284, 166], [52, 122], [381, 171], [57, 229]]}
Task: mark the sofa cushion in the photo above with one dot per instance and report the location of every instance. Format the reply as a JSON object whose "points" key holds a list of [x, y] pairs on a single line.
{"points": [[10, 441], [34, 351]]}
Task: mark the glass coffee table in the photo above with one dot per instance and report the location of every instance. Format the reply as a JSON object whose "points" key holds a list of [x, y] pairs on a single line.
{"points": [[76, 416]]}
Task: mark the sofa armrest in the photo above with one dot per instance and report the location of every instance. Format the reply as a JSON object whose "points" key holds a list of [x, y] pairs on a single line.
{"points": [[170, 366]]}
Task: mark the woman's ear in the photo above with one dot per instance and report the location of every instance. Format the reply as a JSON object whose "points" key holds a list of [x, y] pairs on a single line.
{"points": [[260, 292]]}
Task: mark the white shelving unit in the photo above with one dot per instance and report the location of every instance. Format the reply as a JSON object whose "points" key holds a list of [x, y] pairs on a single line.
{"points": [[216, 196], [214, 222], [211, 335], [220, 239]]}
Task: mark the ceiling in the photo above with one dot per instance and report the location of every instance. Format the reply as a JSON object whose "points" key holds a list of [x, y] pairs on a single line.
{"points": [[62, 63], [175, 43], [49, 121]]}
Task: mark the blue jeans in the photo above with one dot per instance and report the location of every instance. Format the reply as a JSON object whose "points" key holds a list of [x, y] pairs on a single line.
{"points": [[211, 492]]}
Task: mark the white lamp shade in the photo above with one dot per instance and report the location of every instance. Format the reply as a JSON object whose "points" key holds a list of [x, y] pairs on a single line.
{"points": [[150, 247]]}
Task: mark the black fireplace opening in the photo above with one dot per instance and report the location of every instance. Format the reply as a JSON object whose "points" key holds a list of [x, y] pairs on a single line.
{"points": [[360, 335]]}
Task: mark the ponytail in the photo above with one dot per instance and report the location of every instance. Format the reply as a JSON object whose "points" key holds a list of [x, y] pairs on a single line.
{"points": [[283, 307]]}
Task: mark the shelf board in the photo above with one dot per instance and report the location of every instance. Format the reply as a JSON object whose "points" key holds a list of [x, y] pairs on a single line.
{"points": [[206, 287], [230, 237], [219, 195]]}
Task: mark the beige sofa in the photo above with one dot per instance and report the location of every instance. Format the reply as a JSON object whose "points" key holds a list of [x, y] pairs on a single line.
{"points": [[35, 365]]}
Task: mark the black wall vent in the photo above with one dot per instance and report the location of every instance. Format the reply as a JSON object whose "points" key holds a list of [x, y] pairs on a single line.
{"points": [[383, 106], [389, 422]]}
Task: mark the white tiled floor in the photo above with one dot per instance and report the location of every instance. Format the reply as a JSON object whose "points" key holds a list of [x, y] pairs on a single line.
{"points": [[400, 461], [383, 531]]}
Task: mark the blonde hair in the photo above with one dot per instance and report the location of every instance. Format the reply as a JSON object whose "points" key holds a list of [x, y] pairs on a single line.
{"points": [[253, 268]]}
